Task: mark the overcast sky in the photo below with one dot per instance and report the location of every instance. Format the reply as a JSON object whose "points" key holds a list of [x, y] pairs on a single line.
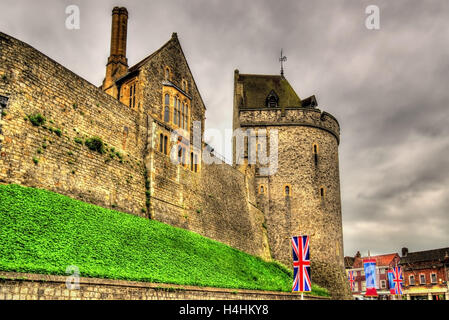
{"points": [[388, 88]]}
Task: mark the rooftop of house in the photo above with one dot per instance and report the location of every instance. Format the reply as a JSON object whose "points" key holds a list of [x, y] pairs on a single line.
{"points": [[381, 260], [427, 255]]}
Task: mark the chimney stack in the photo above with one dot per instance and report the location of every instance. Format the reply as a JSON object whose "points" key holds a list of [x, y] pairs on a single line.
{"points": [[404, 252], [117, 62]]}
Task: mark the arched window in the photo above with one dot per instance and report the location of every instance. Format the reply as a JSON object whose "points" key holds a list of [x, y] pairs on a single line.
{"points": [[167, 99], [272, 99], [262, 189], [167, 73]]}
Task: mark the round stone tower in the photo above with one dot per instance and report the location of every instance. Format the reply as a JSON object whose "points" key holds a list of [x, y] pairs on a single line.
{"points": [[300, 192]]}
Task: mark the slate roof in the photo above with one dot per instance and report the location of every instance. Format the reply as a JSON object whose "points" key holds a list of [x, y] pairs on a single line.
{"points": [[381, 260], [428, 255], [256, 88]]}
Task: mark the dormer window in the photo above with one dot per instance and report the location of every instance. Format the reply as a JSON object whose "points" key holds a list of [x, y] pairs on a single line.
{"points": [[272, 100]]}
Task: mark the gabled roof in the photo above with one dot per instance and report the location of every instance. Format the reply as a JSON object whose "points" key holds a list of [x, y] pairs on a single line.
{"points": [[381, 260], [428, 255], [174, 38], [257, 87]]}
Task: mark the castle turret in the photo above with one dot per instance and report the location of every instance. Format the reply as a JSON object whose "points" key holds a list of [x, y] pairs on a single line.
{"points": [[300, 194], [117, 65]]}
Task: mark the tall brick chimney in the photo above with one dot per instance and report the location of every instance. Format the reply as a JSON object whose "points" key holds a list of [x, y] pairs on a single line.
{"points": [[404, 252], [117, 62]]}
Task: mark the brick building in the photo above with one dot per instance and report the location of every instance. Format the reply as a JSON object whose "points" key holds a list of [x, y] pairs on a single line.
{"points": [[383, 264], [426, 274]]}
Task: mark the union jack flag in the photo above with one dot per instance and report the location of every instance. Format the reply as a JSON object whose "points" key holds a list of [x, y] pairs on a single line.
{"points": [[301, 264], [351, 279], [397, 279]]}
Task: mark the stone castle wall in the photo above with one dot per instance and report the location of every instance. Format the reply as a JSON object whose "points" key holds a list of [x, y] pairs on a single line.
{"points": [[214, 202], [35, 84]]}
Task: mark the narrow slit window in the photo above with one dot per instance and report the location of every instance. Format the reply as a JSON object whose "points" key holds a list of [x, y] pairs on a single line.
{"points": [[165, 144], [191, 161], [287, 191], [315, 154], [161, 143], [322, 193]]}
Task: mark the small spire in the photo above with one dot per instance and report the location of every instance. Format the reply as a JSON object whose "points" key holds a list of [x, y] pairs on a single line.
{"points": [[282, 59]]}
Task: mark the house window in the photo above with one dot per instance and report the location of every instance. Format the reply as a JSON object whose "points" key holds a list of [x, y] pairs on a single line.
{"points": [[422, 279], [411, 280], [383, 284], [433, 277], [132, 95], [315, 154], [363, 286]]}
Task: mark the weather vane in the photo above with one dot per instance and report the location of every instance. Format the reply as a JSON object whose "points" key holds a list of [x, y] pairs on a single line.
{"points": [[282, 59]]}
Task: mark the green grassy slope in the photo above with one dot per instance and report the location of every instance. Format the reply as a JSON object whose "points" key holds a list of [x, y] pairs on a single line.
{"points": [[44, 232]]}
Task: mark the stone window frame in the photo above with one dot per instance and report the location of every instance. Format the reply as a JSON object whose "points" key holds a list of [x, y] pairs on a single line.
{"points": [[289, 186], [262, 187], [164, 143]]}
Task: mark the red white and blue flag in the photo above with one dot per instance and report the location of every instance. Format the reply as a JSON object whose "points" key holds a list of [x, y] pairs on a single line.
{"points": [[397, 279], [301, 264], [351, 279]]}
